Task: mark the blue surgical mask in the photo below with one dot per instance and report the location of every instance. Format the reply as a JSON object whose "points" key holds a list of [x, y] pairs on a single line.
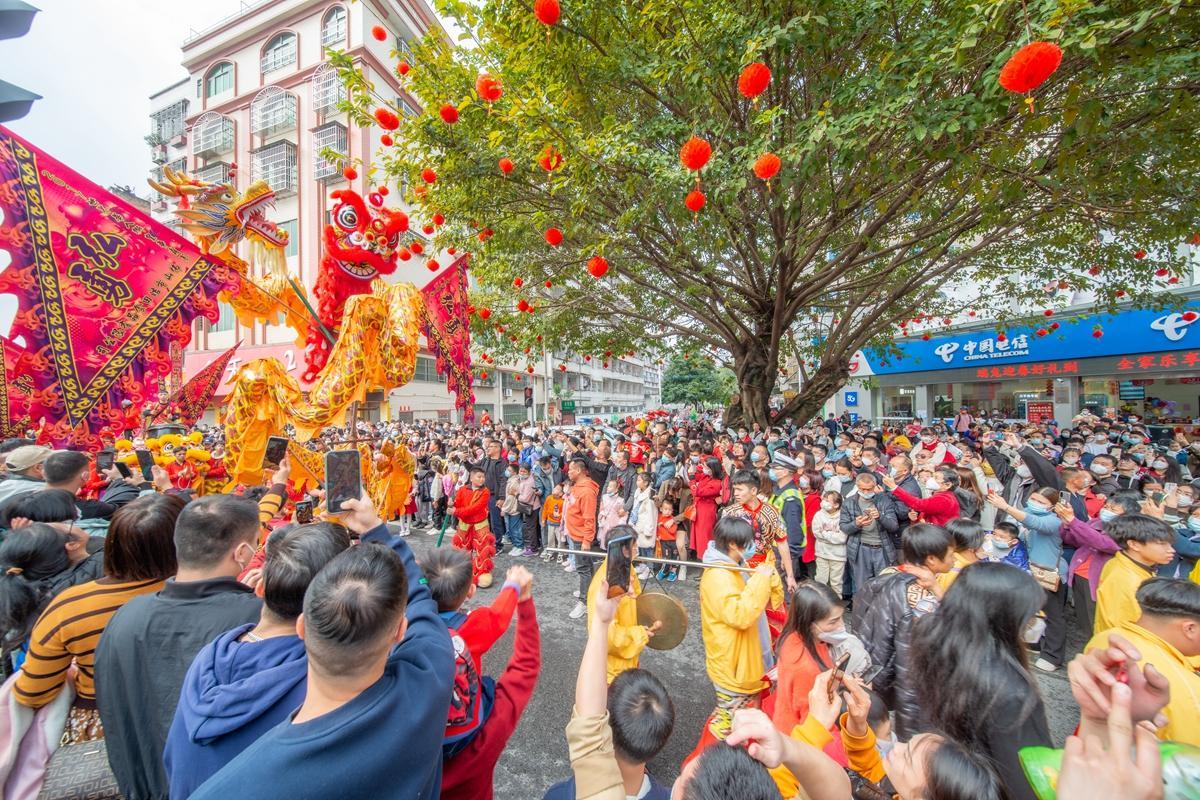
{"points": [[804, 483], [866, 495], [772, 475], [1194, 523], [756, 457], [1109, 516], [749, 552], [1033, 508], [1036, 442], [828, 473]]}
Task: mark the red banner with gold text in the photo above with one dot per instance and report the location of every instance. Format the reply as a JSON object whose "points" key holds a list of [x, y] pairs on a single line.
{"points": [[103, 292], [447, 330]]}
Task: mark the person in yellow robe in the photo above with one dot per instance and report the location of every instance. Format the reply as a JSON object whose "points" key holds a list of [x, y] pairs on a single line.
{"points": [[1167, 636], [626, 638], [1146, 544]]}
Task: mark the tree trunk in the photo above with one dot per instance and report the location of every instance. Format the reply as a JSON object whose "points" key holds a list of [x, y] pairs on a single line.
{"points": [[820, 386], [756, 372]]}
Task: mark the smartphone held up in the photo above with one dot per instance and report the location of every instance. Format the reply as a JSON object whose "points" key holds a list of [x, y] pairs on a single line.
{"points": [[343, 479], [620, 558]]}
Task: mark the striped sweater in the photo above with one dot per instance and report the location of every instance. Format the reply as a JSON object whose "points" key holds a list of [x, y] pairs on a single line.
{"points": [[68, 631]]}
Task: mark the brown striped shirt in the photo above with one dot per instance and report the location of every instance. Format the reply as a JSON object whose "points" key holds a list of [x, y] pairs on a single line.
{"points": [[68, 631]]}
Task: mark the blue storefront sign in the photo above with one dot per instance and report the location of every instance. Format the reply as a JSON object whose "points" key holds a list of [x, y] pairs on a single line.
{"points": [[1124, 333], [850, 398]]}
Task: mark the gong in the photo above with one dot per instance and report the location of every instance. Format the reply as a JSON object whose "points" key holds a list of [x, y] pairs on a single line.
{"points": [[658, 607]]}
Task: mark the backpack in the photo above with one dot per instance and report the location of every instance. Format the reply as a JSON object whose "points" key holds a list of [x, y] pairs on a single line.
{"points": [[466, 696]]}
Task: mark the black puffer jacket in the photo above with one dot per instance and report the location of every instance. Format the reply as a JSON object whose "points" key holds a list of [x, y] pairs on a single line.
{"points": [[884, 612]]}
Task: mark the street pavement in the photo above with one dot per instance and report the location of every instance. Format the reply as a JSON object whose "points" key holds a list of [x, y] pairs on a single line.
{"points": [[536, 756]]}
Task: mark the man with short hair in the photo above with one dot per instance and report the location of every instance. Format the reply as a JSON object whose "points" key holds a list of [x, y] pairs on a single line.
{"points": [[6, 447], [1103, 467], [868, 518], [68, 470], [579, 520], [1146, 544], [252, 677], [380, 678], [495, 478], [886, 608], [25, 471], [941, 506], [787, 500], [1167, 636], [150, 642], [625, 474], [769, 531]]}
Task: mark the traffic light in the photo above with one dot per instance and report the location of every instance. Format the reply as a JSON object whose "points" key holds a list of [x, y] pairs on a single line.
{"points": [[529, 397]]}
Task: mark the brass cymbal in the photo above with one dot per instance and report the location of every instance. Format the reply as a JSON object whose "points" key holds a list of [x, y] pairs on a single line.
{"points": [[658, 607]]}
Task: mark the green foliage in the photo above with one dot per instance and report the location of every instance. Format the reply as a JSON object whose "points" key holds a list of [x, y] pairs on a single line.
{"points": [[695, 381], [906, 168]]}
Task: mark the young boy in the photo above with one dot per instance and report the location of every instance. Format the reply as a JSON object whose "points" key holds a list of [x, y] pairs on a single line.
{"points": [[473, 535], [552, 511], [667, 527], [1005, 545], [448, 573], [1146, 544]]}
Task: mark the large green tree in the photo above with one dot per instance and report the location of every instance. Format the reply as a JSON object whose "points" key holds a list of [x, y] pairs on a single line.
{"points": [[906, 169], [695, 381]]}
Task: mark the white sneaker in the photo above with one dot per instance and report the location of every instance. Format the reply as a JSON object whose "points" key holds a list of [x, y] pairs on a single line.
{"points": [[1045, 666], [569, 568], [578, 611]]}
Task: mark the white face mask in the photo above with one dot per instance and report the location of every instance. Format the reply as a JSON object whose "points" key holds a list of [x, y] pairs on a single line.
{"points": [[1100, 469], [834, 637], [1160, 464], [827, 505], [932, 484]]}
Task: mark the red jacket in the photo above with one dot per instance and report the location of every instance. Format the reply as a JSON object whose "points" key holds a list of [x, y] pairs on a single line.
{"points": [[937, 509], [469, 774], [471, 505], [484, 626]]}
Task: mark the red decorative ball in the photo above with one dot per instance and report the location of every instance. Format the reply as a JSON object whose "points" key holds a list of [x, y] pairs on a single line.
{"points": [[550, 159], [754, 79], [387, 119], [432, 265], [925, 336], [449, 114], [1098, 334], [694, 201], [506, 165], [428, 175], [404, 254], [383, 190], [417, 248], [483, 375], [488, 88], [523, 305], [1029, 67], [1049, 312], [1139, 254], [386, 140], [1042, 331], [695, 153], [548, 285], [562, 367], [518, 282], [438, 219], [1000, 337], [1173, 280], [402, 68], [597, 266], [554, 237], [1094, 269], [379, 33], [350, 173], [547, 11], [484, 313], [1162, 273], [1053, 326], [1190, 316], [451, 250], [427, 229], [767, 166], [529, 369]]}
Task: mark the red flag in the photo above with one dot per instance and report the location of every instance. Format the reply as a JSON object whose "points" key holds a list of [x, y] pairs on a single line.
{"points": [[447, 330], [195, 395]]}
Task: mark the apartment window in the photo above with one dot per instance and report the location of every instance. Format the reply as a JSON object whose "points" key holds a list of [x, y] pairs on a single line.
{"points": [[226, 320], [220, 79], [213, 173], [407, 108], [291, 228], [272, 110], [403, 48], [212, 135], [199, 87], [327, 90], [333, 27], [280, 52], [328, 137], [275, 164], [426, 370], [168, 122]]}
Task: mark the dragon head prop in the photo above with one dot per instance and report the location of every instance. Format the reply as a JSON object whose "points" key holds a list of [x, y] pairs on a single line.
{"points": [[363, 241], [218, 216]]}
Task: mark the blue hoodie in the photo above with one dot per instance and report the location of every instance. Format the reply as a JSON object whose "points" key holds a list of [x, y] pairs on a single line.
{"points": [[234, 692]]}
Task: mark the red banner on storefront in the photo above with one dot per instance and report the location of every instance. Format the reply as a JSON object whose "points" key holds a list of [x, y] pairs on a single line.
{"points": [[447, 330], [102, 291]]}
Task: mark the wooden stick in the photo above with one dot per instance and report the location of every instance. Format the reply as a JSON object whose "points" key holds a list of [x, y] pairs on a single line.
{"points": [[647, 559]]}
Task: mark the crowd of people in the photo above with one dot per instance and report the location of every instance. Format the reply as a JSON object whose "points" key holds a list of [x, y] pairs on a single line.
{"points": [[875, 602]]}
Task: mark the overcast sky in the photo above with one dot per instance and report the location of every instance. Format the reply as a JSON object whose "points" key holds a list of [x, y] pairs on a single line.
{"points": [[96, 63]]}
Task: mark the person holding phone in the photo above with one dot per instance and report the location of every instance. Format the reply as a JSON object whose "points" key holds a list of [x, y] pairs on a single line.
{"points": [[627, 638]]}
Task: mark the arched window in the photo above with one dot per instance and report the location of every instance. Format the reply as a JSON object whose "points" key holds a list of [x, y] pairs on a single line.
{"points": [[219, 79], [212, 135], [280, 52], [327, 90], [333, 27]]}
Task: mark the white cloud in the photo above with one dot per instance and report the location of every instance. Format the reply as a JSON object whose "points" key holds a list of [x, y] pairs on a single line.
{"points": [[96, 63]]}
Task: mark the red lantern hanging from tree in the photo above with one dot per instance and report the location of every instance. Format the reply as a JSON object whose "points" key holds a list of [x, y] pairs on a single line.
{"points": [[694, 201], [547, 11], [767, 166], [1029, 67], [754, 79], [554, 237], [488, 88], [385, 140], [550, 159], [695, 154], [350, 173], [449, 114], [518, 282], [387, 119], [597, 266], [402, 68], [522, 305], [428, 175], [379, 33], [506, 165]]}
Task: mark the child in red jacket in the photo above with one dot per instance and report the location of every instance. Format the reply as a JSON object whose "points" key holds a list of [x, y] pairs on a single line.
{"points": [[448, 573], [473, 535]]}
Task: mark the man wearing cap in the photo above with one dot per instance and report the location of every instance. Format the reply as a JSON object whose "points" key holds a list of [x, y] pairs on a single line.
{"points": [[24, 471], [787, 500]]}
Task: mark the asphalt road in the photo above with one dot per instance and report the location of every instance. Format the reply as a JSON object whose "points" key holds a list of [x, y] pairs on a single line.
{"points": [[537, 753]]}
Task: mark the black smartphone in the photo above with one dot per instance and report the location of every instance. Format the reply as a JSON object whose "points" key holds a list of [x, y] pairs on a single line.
{"points": [[620, 555], [124, 469], [343, 478], [104, 460], [304, 511], [275, 452], [839, 672], [145, 461]]}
